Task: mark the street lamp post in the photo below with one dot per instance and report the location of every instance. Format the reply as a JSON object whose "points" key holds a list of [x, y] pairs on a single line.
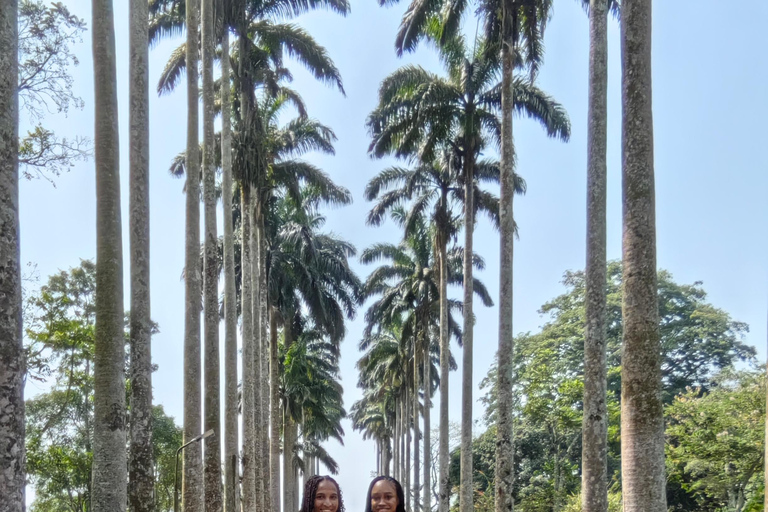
{"points": [[176, 468]]}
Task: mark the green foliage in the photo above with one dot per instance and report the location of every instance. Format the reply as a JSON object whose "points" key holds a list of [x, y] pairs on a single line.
{"points": [[715, 442], [59, 343], [310, 389], [698, 342], [166, 439], [46, 34], [614, 502]]}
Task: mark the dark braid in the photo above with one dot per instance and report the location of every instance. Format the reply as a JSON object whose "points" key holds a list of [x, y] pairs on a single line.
{"points": [[310, 493]]}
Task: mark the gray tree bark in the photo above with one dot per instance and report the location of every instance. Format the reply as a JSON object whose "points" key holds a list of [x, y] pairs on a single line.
{"points": [[258, 376], [466, 488], [444, 461], [505, 451], [192, 483], [594, 452], [396, 443], [427, 507], [416, 431], [264, 360], [213, 501], [141, 478], [109, 469], [642, 420], [404, 452], [289, 433], [275, 414], [408, 405], [231, 438], [250, 496], [12, 454]]}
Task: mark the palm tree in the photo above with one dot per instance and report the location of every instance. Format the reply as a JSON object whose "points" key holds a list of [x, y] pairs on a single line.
{"points": [[435, 188], [140, 471], [231, 464], [281, 147], [373, 415], [594, 474], [311, 392], [192, 482], [12, 459], [642, 420], [212, 462], [109, 491], [307, 269], [414, 293], [385, 375], [418, 111]]}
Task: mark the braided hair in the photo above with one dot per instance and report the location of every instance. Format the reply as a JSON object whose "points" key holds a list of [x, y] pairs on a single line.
{"points": [[398, 491], [310, 493]]}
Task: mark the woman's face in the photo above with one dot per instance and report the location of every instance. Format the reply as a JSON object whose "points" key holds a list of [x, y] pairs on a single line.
{"points": [[384, 497], [326, 497]]}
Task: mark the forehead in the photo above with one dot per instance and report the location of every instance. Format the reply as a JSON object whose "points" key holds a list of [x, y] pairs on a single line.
{"points": [[384, 486], [326, 486]]}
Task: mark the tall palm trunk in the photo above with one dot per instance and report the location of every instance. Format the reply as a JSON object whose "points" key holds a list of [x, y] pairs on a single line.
{"points": [[504, 434], [594, 452], [211, 276], [642, 420], [427, 507], [396, 461], [407, 466], [264, 361], [445, 352], [12, 457], [275, 416], [387, 457], [140, 469], [258, 376], [192, 484], [466, 487], [230, 300], [110, 477], [289, 432], [403, 455], [416, 430], [250, 494]]}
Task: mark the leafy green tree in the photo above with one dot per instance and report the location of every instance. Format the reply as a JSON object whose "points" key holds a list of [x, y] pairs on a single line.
{"points": [[312, 393], [698, 342], [308, 270], [60, 337], [716, 441], [46, 34]]}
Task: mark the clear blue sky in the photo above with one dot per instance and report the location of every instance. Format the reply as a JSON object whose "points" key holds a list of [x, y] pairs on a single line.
{"points": [[709, 111]]}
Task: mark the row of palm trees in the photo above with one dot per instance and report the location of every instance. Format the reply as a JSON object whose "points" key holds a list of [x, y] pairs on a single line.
{"points": [[294, 280], [443, 124], [439, 125]]}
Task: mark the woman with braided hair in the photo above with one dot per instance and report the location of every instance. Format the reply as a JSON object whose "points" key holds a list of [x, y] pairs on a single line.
{"points": [[385, 494], [322, 494]]}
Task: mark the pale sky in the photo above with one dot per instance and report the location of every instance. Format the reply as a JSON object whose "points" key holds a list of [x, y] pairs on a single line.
{"points": [[710, 108]]}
